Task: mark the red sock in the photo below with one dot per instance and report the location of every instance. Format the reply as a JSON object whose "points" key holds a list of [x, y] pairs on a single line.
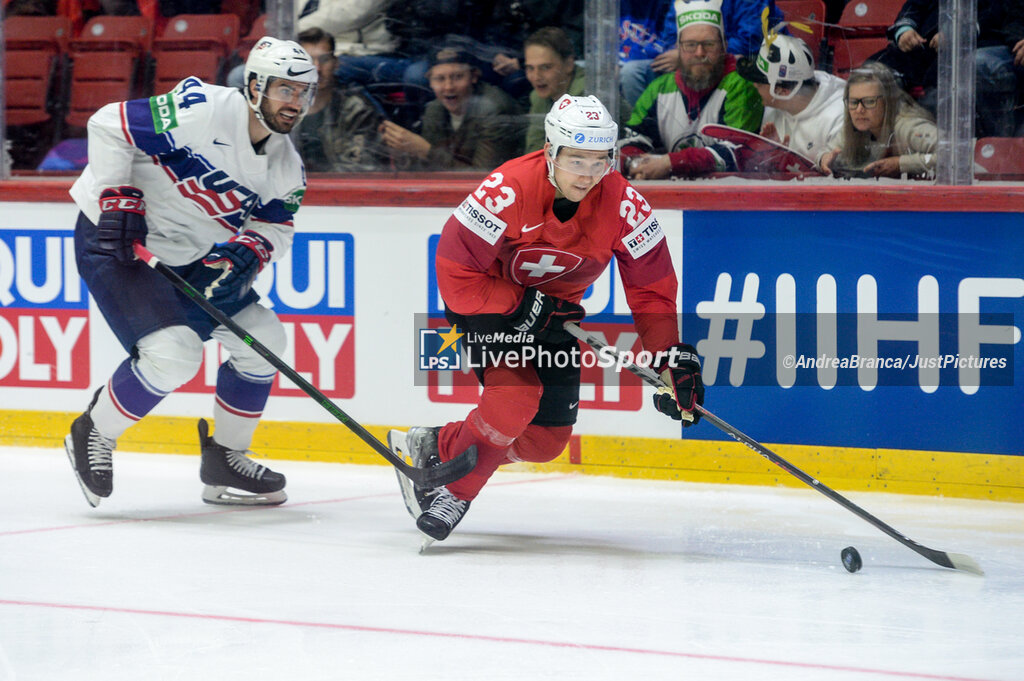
{"points": [[507, 405]]}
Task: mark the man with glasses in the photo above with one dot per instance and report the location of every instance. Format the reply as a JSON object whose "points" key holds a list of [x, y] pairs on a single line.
{"points": [[339, 134], [222, 182], [803, 107], [513, 264], [705, 88]]}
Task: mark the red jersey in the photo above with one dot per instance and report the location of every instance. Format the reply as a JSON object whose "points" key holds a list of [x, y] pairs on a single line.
{"points": [[504, 237]]}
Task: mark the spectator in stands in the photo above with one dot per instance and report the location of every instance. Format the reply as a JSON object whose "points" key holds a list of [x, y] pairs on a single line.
{"points": [[363, 44], [339, 133], [491, 32], [885, 133], [552, 71], [470, 124], [913, 54], [649, 31], [704, 88], [804, 108]]}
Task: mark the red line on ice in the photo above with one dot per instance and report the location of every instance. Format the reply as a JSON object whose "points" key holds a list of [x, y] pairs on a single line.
{"points": [[487, 639]]}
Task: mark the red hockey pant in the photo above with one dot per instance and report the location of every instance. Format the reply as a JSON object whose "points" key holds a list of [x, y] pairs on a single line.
{"points": [[500, 428]]}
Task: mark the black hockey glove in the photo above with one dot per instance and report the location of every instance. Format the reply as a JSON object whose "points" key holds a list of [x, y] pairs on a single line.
{"points": [[235, 264], [122, 222], [681, 372], [544, 316]]}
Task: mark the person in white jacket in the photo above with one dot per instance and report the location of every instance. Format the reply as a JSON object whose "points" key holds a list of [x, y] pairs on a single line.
{"points": [[207, 179], [803, 107]]}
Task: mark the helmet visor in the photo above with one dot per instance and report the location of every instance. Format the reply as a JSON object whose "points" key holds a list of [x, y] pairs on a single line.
{"points": [[590, 166], [299, 95]]}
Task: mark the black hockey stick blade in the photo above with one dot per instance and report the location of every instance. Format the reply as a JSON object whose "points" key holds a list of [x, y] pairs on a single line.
{"points": [[956, 561], [435, 476]]}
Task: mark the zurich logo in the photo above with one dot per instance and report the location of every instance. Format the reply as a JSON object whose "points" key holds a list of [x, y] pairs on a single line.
{"points": [[578, 138]]}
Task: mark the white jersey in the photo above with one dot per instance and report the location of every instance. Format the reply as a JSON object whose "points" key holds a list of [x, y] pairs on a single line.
{"points": [[190, 153], [818, 128]]}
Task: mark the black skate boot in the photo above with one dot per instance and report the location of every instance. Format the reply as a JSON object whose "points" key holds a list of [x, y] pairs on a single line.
{"points": [[91, 456], [445, 512], [223, 470], [420, 446]]}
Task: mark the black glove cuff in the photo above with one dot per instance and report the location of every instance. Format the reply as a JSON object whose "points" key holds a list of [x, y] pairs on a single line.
{"points": [[679, 356]]}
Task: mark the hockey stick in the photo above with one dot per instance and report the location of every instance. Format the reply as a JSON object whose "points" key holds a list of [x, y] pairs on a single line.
{"points": [[957, 561], [447, 472]]}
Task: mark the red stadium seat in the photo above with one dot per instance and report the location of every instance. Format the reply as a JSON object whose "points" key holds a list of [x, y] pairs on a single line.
{"points": [[217, 33], [194, 45], [174, 66], [849, 54], [1000, 156], [108, 63], [258, 30], [132, 35], [869, 17], [34, 67], [810, 13]]}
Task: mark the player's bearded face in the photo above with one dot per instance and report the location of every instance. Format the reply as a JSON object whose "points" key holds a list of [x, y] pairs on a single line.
{"points": [[283, 103]]}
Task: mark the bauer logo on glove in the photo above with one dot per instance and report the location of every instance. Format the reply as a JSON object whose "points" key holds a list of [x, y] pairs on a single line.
{"points": [[684, 389]]}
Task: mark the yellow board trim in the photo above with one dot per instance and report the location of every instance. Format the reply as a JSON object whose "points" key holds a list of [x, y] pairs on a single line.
{"points": [[975, 476]]}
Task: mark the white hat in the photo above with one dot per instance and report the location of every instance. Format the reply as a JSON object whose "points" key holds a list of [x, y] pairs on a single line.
{"points": [[699, 12]]}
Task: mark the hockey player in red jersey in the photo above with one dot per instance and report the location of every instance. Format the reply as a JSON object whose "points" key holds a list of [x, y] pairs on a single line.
{"points": [[514, 261]]}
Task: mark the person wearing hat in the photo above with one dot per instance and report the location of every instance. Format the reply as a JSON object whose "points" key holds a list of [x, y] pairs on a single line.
{"points": [[704, 88], [804, 108], [470, 125], [649, 33]]}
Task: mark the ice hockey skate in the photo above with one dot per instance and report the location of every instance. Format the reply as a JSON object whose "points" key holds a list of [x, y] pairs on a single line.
{"points": [[419, 446], [445, 512], [91, 456], [233, 479]]}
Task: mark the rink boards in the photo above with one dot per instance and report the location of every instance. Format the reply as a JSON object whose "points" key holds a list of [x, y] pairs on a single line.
{"points": [[873, 349]]}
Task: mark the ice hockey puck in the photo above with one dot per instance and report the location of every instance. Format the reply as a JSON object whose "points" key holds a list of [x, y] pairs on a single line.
{"points": [[851, 559]]}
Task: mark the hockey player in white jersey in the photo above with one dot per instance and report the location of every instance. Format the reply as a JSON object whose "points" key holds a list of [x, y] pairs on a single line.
{"points": [[206, 177]]}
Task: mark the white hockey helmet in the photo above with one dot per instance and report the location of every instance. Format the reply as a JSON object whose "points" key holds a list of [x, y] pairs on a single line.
{"points": [[785, 58], [274, 58], [580, 123]]}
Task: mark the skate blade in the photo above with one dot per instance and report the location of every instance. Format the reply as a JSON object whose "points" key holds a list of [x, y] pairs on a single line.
{"points": [[397, 444], [93, 499], [427, 541], [226, 496]]}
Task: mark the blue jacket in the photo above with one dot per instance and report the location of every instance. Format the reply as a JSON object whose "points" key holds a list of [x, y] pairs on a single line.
{"points": [[646, 28]]}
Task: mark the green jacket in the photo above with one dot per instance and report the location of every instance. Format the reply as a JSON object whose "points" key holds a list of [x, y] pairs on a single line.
{"points": [[489, 134], [539, 108], [670, 115]]}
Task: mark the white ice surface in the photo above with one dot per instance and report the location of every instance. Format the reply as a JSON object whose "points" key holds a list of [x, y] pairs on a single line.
{"points": [[548, 577]]}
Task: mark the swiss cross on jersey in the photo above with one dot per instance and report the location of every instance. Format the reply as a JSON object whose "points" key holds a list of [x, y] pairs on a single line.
{"points": [[536, 265]]}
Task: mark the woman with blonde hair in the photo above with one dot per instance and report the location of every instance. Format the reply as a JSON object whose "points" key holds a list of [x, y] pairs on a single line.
{"points": [[885, 132]]}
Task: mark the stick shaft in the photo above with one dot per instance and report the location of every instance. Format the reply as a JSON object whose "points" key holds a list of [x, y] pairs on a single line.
{"points": [[199, 299], [955, 561]]}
